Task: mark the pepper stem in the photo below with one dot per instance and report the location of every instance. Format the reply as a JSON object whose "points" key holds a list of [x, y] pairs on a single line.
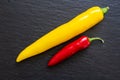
{"points": [[96, 38], [105, 9]]}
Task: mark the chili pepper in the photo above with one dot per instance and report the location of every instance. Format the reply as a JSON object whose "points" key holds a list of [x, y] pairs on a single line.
{"points": [[70, 49], [64, 32]]}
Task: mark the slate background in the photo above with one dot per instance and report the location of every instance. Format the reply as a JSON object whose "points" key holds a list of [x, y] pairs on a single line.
{"points": [[24, 21]]}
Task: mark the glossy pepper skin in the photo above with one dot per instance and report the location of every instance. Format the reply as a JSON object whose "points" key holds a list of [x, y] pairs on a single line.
{"points": [[64, 32], [71, 49]]}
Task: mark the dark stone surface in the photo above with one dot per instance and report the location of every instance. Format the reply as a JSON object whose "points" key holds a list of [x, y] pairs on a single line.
{"points": [[24, 21]]}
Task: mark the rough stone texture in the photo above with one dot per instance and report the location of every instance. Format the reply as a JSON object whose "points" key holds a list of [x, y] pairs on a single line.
{"points": [[24, 21]]}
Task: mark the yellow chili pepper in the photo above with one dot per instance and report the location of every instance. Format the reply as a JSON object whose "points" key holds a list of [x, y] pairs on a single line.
{"points": [[64, 32]]}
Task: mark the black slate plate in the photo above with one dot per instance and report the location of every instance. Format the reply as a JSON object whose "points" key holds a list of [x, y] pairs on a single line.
{"points": [[24, 21]]}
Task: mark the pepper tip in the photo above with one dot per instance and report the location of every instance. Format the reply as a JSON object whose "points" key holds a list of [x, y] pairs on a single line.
{"points": [[49, 64], [18, 59]]}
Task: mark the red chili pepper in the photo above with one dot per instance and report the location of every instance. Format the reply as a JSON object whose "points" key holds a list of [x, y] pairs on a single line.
{"points": [[70, 49]]}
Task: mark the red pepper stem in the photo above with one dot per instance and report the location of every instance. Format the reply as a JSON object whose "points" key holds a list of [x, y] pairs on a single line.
{"points": [[96, 38]]}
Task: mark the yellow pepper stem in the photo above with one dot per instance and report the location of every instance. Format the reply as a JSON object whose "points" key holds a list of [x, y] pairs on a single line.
{"points": [[105, 9]]}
